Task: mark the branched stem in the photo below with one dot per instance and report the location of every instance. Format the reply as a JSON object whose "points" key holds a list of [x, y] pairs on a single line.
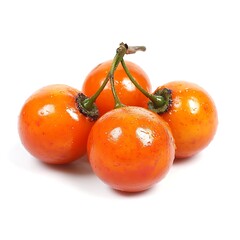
{"points": [[88, 103]]}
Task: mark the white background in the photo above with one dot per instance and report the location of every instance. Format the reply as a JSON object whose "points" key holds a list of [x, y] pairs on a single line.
{"points": [[44, 42]]}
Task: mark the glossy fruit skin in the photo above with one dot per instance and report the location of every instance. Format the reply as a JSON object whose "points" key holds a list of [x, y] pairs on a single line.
{"points": [[130, 149], [192, 117], [50, 126], [127, 92]]}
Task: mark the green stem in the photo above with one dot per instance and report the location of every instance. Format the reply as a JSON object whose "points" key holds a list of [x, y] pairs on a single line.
{"points": [[88, 102], [158, 102], [121, 51], [117, 101], [154, 99]]}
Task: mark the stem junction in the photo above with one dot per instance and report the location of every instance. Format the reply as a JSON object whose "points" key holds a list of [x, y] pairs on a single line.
{"points": [[86, 105]]}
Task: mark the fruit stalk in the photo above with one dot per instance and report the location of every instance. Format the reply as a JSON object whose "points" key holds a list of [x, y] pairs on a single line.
{"points": [[160, 102], [87, 104]]}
